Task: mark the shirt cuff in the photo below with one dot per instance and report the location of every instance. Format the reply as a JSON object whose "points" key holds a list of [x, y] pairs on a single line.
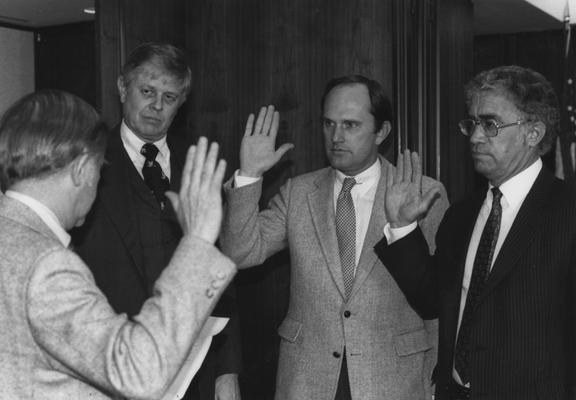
{"points": [[394, 234], [240, 180]]}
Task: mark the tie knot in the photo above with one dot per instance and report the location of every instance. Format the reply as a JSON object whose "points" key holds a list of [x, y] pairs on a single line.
{"points": [[149, 151], [348, 184], [497, 195]]}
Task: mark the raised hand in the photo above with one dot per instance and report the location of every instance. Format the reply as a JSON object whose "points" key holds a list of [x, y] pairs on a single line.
{"points": [[198, 206], [257, 151], [405, 203]]}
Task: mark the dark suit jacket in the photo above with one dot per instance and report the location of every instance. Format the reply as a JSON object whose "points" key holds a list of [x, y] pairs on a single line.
{"points": [[522, 343], [110, 244]]}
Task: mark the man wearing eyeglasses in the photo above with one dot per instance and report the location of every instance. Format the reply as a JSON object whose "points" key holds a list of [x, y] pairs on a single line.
{"points": [[503, 278]]}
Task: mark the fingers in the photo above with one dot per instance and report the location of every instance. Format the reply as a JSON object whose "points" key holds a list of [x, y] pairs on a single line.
{"points": [[399, 168], [389, 176], [209, 167], [259, 121], [282, 150], [430, 197], [218, 177], [407, 176], [249, 125], [187, 171], [416, 169], [274, 127], [268, 118]]}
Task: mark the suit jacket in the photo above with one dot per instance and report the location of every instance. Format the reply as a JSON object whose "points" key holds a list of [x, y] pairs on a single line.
{"points": [[523, 337], [389, 348], [61, 340], [111, 244]]}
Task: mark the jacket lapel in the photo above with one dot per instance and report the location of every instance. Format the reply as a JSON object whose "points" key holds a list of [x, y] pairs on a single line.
{"points": [[375, 231], [116, 197], [321, 203], [523, 229]]}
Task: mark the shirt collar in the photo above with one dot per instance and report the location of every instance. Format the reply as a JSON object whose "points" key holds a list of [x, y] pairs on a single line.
{"points": [[515, 189], [45, 214], [133, 143], [365, 179]]}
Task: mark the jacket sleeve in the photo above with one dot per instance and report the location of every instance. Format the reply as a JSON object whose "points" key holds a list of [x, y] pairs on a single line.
{"points": [[410, 260], [250, 236], [80, 334]]}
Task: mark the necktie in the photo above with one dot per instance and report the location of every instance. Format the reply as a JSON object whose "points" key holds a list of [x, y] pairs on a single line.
{"points": [[346, 233], [153, 175], [480, 271]]}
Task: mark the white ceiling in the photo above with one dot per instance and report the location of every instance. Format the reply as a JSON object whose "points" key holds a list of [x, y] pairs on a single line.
{"points": [[490, 16]]}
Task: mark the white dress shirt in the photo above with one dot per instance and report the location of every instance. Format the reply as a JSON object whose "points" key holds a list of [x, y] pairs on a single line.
{"points": [[45, 214], [363, 193], [133, 144]]}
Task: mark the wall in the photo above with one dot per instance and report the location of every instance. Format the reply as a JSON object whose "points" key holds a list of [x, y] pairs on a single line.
{"points": [[16, 65]]}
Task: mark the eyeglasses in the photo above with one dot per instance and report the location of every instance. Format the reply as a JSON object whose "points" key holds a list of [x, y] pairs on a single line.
{"points": [[490, 127]]}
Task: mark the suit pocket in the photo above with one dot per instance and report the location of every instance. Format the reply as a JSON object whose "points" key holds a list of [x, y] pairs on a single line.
{"points": [[412, 343], [290, 329]]}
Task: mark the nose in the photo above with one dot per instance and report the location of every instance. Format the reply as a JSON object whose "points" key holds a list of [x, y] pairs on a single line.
{"points": [[337, 134], [157, 103], [477, 134]]}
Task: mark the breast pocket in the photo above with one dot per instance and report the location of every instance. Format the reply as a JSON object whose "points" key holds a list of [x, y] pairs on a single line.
{"points": [[290, 330], [412, 342]]}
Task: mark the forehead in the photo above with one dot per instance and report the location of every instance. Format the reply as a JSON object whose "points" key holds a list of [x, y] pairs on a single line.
{"points": [[493, 103], [152, 75], [348, 99]]}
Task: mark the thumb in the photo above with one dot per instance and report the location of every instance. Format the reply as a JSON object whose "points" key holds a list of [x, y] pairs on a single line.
{"points": [[429, 198], [173, 197], [283, 150]]}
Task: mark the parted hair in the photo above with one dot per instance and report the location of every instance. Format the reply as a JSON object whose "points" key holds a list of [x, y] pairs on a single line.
{"points": [[44, 132], [529, 91], [380, 104], [168, 58]]}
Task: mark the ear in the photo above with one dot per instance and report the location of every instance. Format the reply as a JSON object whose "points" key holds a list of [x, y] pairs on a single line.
{"points": [[122, 89], [80, 170], [536, 132], [383, 133]]}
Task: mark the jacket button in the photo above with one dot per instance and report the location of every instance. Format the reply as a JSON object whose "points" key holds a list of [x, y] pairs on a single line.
{"points": [[336, 354], [347, 314]]}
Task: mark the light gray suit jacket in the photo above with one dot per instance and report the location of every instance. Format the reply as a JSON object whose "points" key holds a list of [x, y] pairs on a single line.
{"points": [[59, 338], [390, 350]]}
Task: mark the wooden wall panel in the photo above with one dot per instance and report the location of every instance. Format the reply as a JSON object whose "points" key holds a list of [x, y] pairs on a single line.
{"points": [[456, 68]]}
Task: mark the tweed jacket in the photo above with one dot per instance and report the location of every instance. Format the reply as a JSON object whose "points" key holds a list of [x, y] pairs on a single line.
{"points": [[389, 347], [523, 334], [61, 340]]}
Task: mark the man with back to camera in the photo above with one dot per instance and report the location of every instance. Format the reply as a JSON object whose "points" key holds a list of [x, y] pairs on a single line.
{"points": [[349, 332], [132, 230], [502, 280], [60, 339]]}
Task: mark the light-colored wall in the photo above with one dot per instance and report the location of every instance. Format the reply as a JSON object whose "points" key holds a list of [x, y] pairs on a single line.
{"points": [[16, 65]]}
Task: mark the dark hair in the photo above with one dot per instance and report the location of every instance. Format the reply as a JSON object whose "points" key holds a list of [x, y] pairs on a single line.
{"points": [[380, 105], [45, 131], [169, 58], [530, 91]]}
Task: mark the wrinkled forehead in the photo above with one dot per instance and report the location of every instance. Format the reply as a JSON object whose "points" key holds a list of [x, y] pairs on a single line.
{"points": [[155, 75], [492, 101]]}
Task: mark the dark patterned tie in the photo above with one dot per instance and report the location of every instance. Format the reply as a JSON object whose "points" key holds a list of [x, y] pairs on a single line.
{"points": [[153, 174], [346, 233], [480, 271]]}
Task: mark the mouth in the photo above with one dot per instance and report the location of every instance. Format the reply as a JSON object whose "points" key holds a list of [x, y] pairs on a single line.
{"points": [[152, 120]]}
